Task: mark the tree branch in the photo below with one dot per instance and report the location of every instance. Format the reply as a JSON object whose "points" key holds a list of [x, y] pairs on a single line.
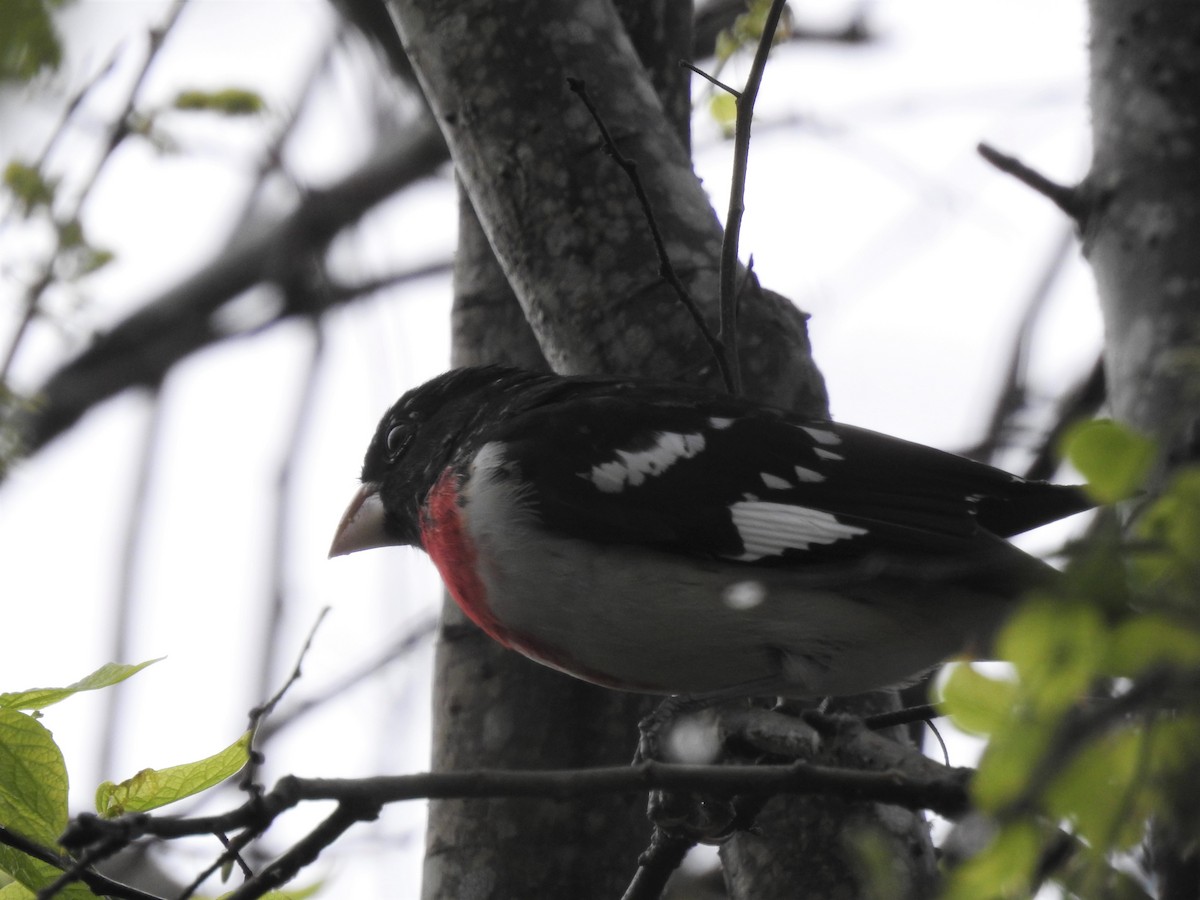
{"points": [[101, 885], [737, 193], [140, 349], [1065, 198], [656, 865], [720, 351]]}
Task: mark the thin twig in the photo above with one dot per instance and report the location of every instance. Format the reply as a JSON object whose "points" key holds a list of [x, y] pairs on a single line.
{"points": [[1014, 395], [629, 167], [271, 158], [141, 348], [284, 513], [100, 884], [656, 865], [306, 850], [31, 302], [737, 193], [710, 78], [1065, 198], [411, 637], [941, 789], [124, 613], [233, 850], [1083, 400], [259, 714], [922, 713]]}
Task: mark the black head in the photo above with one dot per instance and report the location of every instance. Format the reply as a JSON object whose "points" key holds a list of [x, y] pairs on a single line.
{"points": [[430, 427]]}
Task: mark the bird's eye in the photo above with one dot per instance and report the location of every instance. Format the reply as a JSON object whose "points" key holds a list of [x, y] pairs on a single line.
{"points": [[397, 439]]}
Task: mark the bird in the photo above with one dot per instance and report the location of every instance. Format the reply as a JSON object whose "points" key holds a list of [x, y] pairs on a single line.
{"points": [[664, 538]]}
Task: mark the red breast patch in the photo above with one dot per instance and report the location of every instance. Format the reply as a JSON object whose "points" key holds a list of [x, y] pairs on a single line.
{"points": [[448, 544]]}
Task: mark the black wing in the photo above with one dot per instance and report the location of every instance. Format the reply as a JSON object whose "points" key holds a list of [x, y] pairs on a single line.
{"points": [[721, 477]]}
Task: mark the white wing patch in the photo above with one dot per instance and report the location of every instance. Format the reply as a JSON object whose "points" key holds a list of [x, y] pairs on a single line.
{"points": [[719, 423], [767, 529], [632, 468], [827, 454], [774, 481], [821, 435], [804, 474]]}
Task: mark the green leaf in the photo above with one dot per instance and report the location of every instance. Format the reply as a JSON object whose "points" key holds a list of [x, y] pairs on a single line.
{"points": [[152, 788], [1114, 459], [723, 107], [296, 894], [105, 676], [33, 779], [1100, 794], [1058, 648], [1151, 640], [1004, 869], [976, 703], [1010, 757], [28, 186], [33, 799], [29, 42], [726, 46], [16, 891], [227, 102]]}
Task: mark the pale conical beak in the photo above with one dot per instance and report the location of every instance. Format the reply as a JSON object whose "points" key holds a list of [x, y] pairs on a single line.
{"points": [[361, 527]]}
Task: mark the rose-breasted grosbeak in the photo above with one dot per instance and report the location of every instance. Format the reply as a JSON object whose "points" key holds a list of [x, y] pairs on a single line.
{"points": [[663, 538]]}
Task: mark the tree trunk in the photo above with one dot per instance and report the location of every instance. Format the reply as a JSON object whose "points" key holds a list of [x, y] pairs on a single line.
{"points": [[571, 245], [1143, 219], [1141, 229]]}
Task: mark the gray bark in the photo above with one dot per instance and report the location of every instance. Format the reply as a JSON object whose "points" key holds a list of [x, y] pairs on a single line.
{"points": [[1143, 214], [1141, 225], [561, 216]]}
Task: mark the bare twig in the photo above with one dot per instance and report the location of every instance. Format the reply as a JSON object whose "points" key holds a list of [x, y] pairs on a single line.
{"points": [[737, 193], [307, 849], [410, 638], [946, 793], [294, 443], [907, 716], [123, 614], [233, 850], [1065, 198], [140, 349], [716, 82], [656, 865], [118, 131], [271, 158], [1014, 395], [259, 714], [100, 885], [666, 270], [1084, 400]]}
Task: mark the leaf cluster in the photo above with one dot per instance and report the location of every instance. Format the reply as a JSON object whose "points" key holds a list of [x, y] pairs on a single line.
{"points": [[1091, 735], [34, 783]]}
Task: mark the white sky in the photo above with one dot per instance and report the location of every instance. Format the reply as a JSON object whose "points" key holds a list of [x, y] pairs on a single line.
{"points": [[877, 217]]}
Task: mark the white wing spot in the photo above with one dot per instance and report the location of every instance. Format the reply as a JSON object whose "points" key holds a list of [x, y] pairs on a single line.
{"points": [[744, 594], [767, 529], [719, 423], [828, 454], [808, 474], [632, 468], [774, 482], [821, 435]]}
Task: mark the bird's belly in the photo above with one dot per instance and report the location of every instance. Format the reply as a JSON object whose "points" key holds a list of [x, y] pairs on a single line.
{"points": [[653, 621]]}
